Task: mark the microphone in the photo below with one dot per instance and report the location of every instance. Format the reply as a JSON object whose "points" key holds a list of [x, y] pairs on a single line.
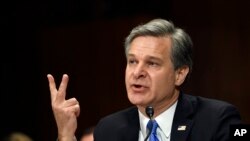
{"points": [[150, 113]]}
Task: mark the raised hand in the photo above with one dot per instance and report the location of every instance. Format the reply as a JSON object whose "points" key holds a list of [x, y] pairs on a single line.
{"points": [[65, 111]]}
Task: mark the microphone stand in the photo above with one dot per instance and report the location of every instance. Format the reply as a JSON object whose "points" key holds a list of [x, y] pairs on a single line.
{"points": [[150, 112]]}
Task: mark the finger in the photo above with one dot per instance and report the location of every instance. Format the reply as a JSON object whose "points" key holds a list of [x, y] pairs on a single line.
{"points": [[73, 110], [62, 88], [77, 110], [52, 87], [71, 102]]}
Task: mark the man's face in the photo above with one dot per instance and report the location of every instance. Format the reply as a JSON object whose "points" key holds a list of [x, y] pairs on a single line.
{"points": [[150, 75], [88, 137]]}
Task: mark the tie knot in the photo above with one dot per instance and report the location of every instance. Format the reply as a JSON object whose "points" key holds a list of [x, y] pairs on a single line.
{"points": [[152, 126]]}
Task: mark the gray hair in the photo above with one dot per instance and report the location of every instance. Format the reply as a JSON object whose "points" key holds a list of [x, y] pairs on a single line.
{"points": [[181, 51]]}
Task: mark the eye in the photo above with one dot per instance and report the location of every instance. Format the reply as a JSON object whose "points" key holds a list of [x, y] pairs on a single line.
{"points": [[151, 63], [132, 61]]}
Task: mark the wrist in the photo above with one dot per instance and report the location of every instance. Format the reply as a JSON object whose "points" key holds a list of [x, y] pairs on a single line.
{"points": [[66, 138]]}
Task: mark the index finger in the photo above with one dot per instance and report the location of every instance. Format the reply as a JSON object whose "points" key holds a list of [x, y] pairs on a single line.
{"points": [[52, 87]]}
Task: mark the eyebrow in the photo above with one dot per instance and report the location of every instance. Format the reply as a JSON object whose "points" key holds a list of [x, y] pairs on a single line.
{"points": [[131, 55], [147, 57]]}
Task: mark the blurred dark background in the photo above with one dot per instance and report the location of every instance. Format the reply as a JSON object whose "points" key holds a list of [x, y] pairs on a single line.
{"points": [[85, 40]]}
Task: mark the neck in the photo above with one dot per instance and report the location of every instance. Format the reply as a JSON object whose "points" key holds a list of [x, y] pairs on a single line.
{"points": [[161, 106]]}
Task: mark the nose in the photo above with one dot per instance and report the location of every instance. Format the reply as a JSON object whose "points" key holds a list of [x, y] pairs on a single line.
{"points": [[139, 72]]}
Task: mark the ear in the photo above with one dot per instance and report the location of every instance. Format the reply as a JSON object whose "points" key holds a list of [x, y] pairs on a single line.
{"points": [[180, 75]]}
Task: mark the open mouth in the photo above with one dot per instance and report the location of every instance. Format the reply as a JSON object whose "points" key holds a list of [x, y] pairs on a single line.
{"points": [[137, 86]]}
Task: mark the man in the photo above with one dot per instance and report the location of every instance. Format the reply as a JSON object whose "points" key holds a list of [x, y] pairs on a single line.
{"points": [[18, 136], [159, 59], [88, 134]]}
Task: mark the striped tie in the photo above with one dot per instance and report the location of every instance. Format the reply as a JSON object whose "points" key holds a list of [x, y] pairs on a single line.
{"points": [[152, 125]]}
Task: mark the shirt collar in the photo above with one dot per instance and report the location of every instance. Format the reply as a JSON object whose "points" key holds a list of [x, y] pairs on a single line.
{"points": [[161, 119]]}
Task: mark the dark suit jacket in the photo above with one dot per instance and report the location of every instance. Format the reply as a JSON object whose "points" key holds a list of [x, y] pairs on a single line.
{"points": [[205, 120]]}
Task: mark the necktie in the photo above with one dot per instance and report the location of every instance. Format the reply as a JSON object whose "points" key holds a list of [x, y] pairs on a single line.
{"points": [[152, 125]]}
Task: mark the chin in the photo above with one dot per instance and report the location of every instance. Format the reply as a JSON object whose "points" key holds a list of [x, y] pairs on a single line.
{"points": [[135, 100]]}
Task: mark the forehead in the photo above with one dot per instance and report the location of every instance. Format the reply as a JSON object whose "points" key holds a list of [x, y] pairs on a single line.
{"points": [[150, 46]]}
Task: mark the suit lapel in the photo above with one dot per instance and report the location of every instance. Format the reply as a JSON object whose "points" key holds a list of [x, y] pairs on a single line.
{"points": [[180, 130], [182, 122]]}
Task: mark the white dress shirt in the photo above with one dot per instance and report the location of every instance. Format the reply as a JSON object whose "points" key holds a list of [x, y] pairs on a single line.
{"points": [[164, 121]]}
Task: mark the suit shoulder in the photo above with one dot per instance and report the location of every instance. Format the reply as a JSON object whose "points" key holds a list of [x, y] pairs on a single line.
{"points": [[115, 119], [117, 126], [213, 106], [121, 114]]}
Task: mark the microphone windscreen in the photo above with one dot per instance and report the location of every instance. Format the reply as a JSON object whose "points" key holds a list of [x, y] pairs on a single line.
{"points": [[149, 111]]}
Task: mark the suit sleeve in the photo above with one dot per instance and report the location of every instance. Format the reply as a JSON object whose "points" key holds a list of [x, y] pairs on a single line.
{"points": [[229, 115]]}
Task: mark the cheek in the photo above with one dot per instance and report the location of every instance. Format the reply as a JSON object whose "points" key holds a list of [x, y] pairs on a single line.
{"points": [[127, 75], [162, 80]]}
